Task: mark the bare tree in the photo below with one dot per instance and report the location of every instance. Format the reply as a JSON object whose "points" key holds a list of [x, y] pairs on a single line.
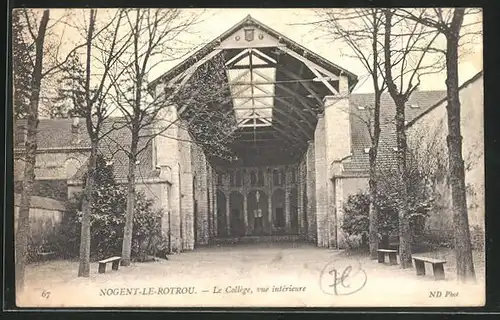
{"points": [[450, 23], [409, 62], [153, 33], [23, 225], [360, 29], [96, 108]]}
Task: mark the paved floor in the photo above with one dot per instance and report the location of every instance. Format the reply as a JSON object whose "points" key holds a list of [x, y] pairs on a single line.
{"points": [[285, 274]]}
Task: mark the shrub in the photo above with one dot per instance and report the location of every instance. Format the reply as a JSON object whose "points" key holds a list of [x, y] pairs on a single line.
{"points": [[108, 220], [477, 237], [355, 223]]}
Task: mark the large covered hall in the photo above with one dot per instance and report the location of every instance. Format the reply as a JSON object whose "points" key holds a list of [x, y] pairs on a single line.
{"points": [[293, 132]]}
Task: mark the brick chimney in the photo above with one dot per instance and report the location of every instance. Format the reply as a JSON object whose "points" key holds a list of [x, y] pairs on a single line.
{"points": [[75, 130]]}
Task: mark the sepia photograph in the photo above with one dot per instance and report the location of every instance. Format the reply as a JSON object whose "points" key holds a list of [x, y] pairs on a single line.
{"points": [[238, 158]]}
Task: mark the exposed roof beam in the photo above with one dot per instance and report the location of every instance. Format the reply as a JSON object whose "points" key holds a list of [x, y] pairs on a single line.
{"points": [[187, 74], [254, 125], [255, 66], [315, 69], [296, 142], [258, 140], [309, 63], [289, 73], [291, 105], [264, 56], [287, 115], [241, 55]]}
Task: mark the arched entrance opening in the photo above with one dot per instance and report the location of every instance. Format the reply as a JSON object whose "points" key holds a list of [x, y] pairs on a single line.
{"points": [[278, 207], [221, 214], [294, 211], [237, 225], [258, 215]]}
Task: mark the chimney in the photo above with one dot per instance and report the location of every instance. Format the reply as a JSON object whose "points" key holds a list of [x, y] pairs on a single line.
{"points": [[75, 130]]}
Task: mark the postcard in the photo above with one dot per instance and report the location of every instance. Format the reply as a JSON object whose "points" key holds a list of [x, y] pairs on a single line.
{"points": [[248, 157]]}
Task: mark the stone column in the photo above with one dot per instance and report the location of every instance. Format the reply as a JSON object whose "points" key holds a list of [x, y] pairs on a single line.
{"points": [[337, 132], [214, 204], [228, 217], [321, 183], [269, 176], [287, 200], [245, 211], [310, 176], [187, 191], [167, 158], [300, 198], [202, 223]]}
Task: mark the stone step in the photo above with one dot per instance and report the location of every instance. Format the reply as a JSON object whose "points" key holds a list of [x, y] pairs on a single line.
{"points": [[260, 239]]}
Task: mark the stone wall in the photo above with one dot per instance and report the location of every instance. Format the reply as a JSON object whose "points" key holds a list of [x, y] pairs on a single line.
{"points": [[52, 164], [45, 218], [53, 189], [428, 134]]}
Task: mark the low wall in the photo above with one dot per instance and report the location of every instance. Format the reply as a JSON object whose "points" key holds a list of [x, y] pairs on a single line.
{"points": [[45, 218]]}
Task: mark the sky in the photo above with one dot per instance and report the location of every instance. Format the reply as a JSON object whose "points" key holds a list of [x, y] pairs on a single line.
{"points": [[293, 23]]}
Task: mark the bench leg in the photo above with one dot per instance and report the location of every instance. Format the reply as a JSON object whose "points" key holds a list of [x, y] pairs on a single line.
{"points": [[115, 265], [102, 267], [420, 267], [381, 257], [393, 260], [438, 271]]}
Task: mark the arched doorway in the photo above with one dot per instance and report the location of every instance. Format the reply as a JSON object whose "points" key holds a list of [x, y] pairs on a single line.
{"points": [[221, 214], [236, 214], [278, 206], [258, 215], [294, 210]]}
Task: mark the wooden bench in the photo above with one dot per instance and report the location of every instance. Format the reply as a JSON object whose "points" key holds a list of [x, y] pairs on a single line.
{"points": [[437, 266], [45, 255], [114, 266], [391, 253]]}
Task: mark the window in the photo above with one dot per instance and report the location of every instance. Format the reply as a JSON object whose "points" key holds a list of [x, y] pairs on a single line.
{"points": [[238, 178], [278, 177], [235, 178], [260, 182], [293, 176], [219, 179], [232, 181], [253, 178]]}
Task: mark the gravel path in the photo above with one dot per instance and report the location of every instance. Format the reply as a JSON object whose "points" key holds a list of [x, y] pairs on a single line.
{"points": [[280, 275]]}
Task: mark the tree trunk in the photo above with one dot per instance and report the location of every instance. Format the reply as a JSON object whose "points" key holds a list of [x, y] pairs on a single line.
{"points": [[465, 265], [372, 182], [373, 213], [400, 101], [129, 218], [84, 267], [404, 223], [23, 223]]}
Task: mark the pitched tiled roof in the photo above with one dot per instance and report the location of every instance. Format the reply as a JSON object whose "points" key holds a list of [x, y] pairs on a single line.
{"points": [[360, 118], [57, 134]]}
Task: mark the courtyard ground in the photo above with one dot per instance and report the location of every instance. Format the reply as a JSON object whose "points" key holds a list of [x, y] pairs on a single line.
{"points": [[295, 275]]}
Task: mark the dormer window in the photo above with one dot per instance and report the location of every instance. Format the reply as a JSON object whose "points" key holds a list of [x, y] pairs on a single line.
{"points": [[360, 107], [367, 150]]}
